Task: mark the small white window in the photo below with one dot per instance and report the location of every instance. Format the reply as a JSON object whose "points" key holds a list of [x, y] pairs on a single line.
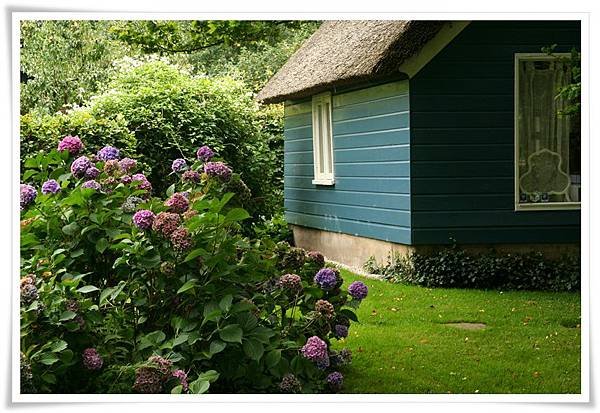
{"points": [[547, 143], [322, 139]]}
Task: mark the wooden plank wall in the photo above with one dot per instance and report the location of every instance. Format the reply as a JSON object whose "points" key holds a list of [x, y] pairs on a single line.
{"points": [[371, 195], [462, 139]]}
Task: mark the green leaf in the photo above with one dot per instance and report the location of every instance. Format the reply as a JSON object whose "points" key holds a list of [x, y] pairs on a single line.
{"points": [[262, 334], [349, 313], [77, 253], [104, 295], [101, 245], [49, 378], [236, 214], [70, 229], [225, 303], [182, 338], [211, 376], [231, 333], [187, 286], [216, 346], [195, 253], [177, 389], [48, 359], [87, 289], [58, 346], [272, 358], [171, 190], [67, 315], [199, 386], [253, 348]]}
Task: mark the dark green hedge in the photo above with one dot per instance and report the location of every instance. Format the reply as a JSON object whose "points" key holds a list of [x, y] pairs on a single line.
{"points": [[456, 268]]}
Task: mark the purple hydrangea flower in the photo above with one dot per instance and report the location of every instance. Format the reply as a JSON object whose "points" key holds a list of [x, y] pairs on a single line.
{"points": [[291, 282], [166, 223], [182, 377], [290, 384], [144, 183], [91, 184], [80, 165], [108, 153], [315, 349], [316, 257], [179, 165], [205, 154], [148, 380], [218, 170], [326, 278], [92, 172], [143, 219], [190, 176], [91, 359], [127, 164], [50, 187], [178, 202], [28, 194], [181, 239], [335, 380], [358, 290], [340, 331], [70, 143]]}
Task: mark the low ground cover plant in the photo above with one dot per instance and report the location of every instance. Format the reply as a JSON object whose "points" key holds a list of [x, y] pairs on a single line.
{"points": [[453, 267], [122, 291]]}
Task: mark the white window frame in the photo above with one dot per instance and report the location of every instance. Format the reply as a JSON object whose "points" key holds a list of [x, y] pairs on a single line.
{"points": [[321, 142], [539, 206]]}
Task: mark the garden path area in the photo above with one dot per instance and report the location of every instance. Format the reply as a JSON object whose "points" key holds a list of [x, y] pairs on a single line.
{"points": [[531, 342]]}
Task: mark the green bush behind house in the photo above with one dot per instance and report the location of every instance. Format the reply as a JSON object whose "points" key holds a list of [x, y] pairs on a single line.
{"points": [[161, 113]]}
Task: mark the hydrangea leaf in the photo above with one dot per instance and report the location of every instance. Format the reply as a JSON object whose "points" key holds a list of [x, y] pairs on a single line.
{"points": [[231, 333]]}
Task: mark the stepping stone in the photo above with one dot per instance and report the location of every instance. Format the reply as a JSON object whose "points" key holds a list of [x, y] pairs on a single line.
{"points": [[467, 326]]}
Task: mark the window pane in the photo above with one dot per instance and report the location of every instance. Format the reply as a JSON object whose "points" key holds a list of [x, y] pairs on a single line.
{"points": [[327, 139], [319, 138], [546, 139]]}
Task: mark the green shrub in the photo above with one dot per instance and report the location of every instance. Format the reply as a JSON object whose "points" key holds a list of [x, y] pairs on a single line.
{"points": [[455, 268], [41, 132], [167, 114], [111, 303]]}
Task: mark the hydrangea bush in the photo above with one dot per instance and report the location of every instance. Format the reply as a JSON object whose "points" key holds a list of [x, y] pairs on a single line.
{"points": [[127, 290]]}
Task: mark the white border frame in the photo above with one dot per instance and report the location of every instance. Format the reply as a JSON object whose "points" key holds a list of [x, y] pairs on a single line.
{"points": [[459, 401], [322, 178], [540, 206]]}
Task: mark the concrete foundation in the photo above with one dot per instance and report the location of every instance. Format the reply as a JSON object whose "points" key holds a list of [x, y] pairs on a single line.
{"points": [[354, 251]]}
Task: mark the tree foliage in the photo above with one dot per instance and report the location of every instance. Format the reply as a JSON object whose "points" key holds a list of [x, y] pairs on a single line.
{"points": [[186, 36], [64, 62]]}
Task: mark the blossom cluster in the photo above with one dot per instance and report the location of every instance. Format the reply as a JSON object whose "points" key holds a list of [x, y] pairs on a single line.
{"points": [[358, 290], [315, 350], [291, 282], [28, 195], [70, 143], [50, 187], [178, 202], [143, 219], [290, 384], [326, 278], [218, 170], [166, 223], [91, 359], [205, 154]]}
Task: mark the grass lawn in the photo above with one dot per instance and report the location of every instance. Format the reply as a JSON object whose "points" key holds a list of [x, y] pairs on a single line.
{"points": [[531, 343]]}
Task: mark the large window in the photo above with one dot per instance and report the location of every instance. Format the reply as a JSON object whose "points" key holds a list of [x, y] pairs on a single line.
{"points": [[547, 144], [322, 139]]}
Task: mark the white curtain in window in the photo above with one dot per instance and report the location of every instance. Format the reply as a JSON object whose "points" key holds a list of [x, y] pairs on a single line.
{"points": [[543, 133]]}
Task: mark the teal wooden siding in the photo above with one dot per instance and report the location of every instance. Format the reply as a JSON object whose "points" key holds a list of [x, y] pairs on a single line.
{"points": [[462, 139], [371, 195]]}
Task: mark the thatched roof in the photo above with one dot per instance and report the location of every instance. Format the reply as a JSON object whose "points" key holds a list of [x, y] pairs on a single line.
{"points": [[342, 52]]}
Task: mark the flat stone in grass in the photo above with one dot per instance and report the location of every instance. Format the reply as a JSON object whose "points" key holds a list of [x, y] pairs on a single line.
{"points": [[467, 326]]}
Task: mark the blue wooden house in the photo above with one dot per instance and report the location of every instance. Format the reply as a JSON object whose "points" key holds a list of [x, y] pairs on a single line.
{"points": [[403, 135]]}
